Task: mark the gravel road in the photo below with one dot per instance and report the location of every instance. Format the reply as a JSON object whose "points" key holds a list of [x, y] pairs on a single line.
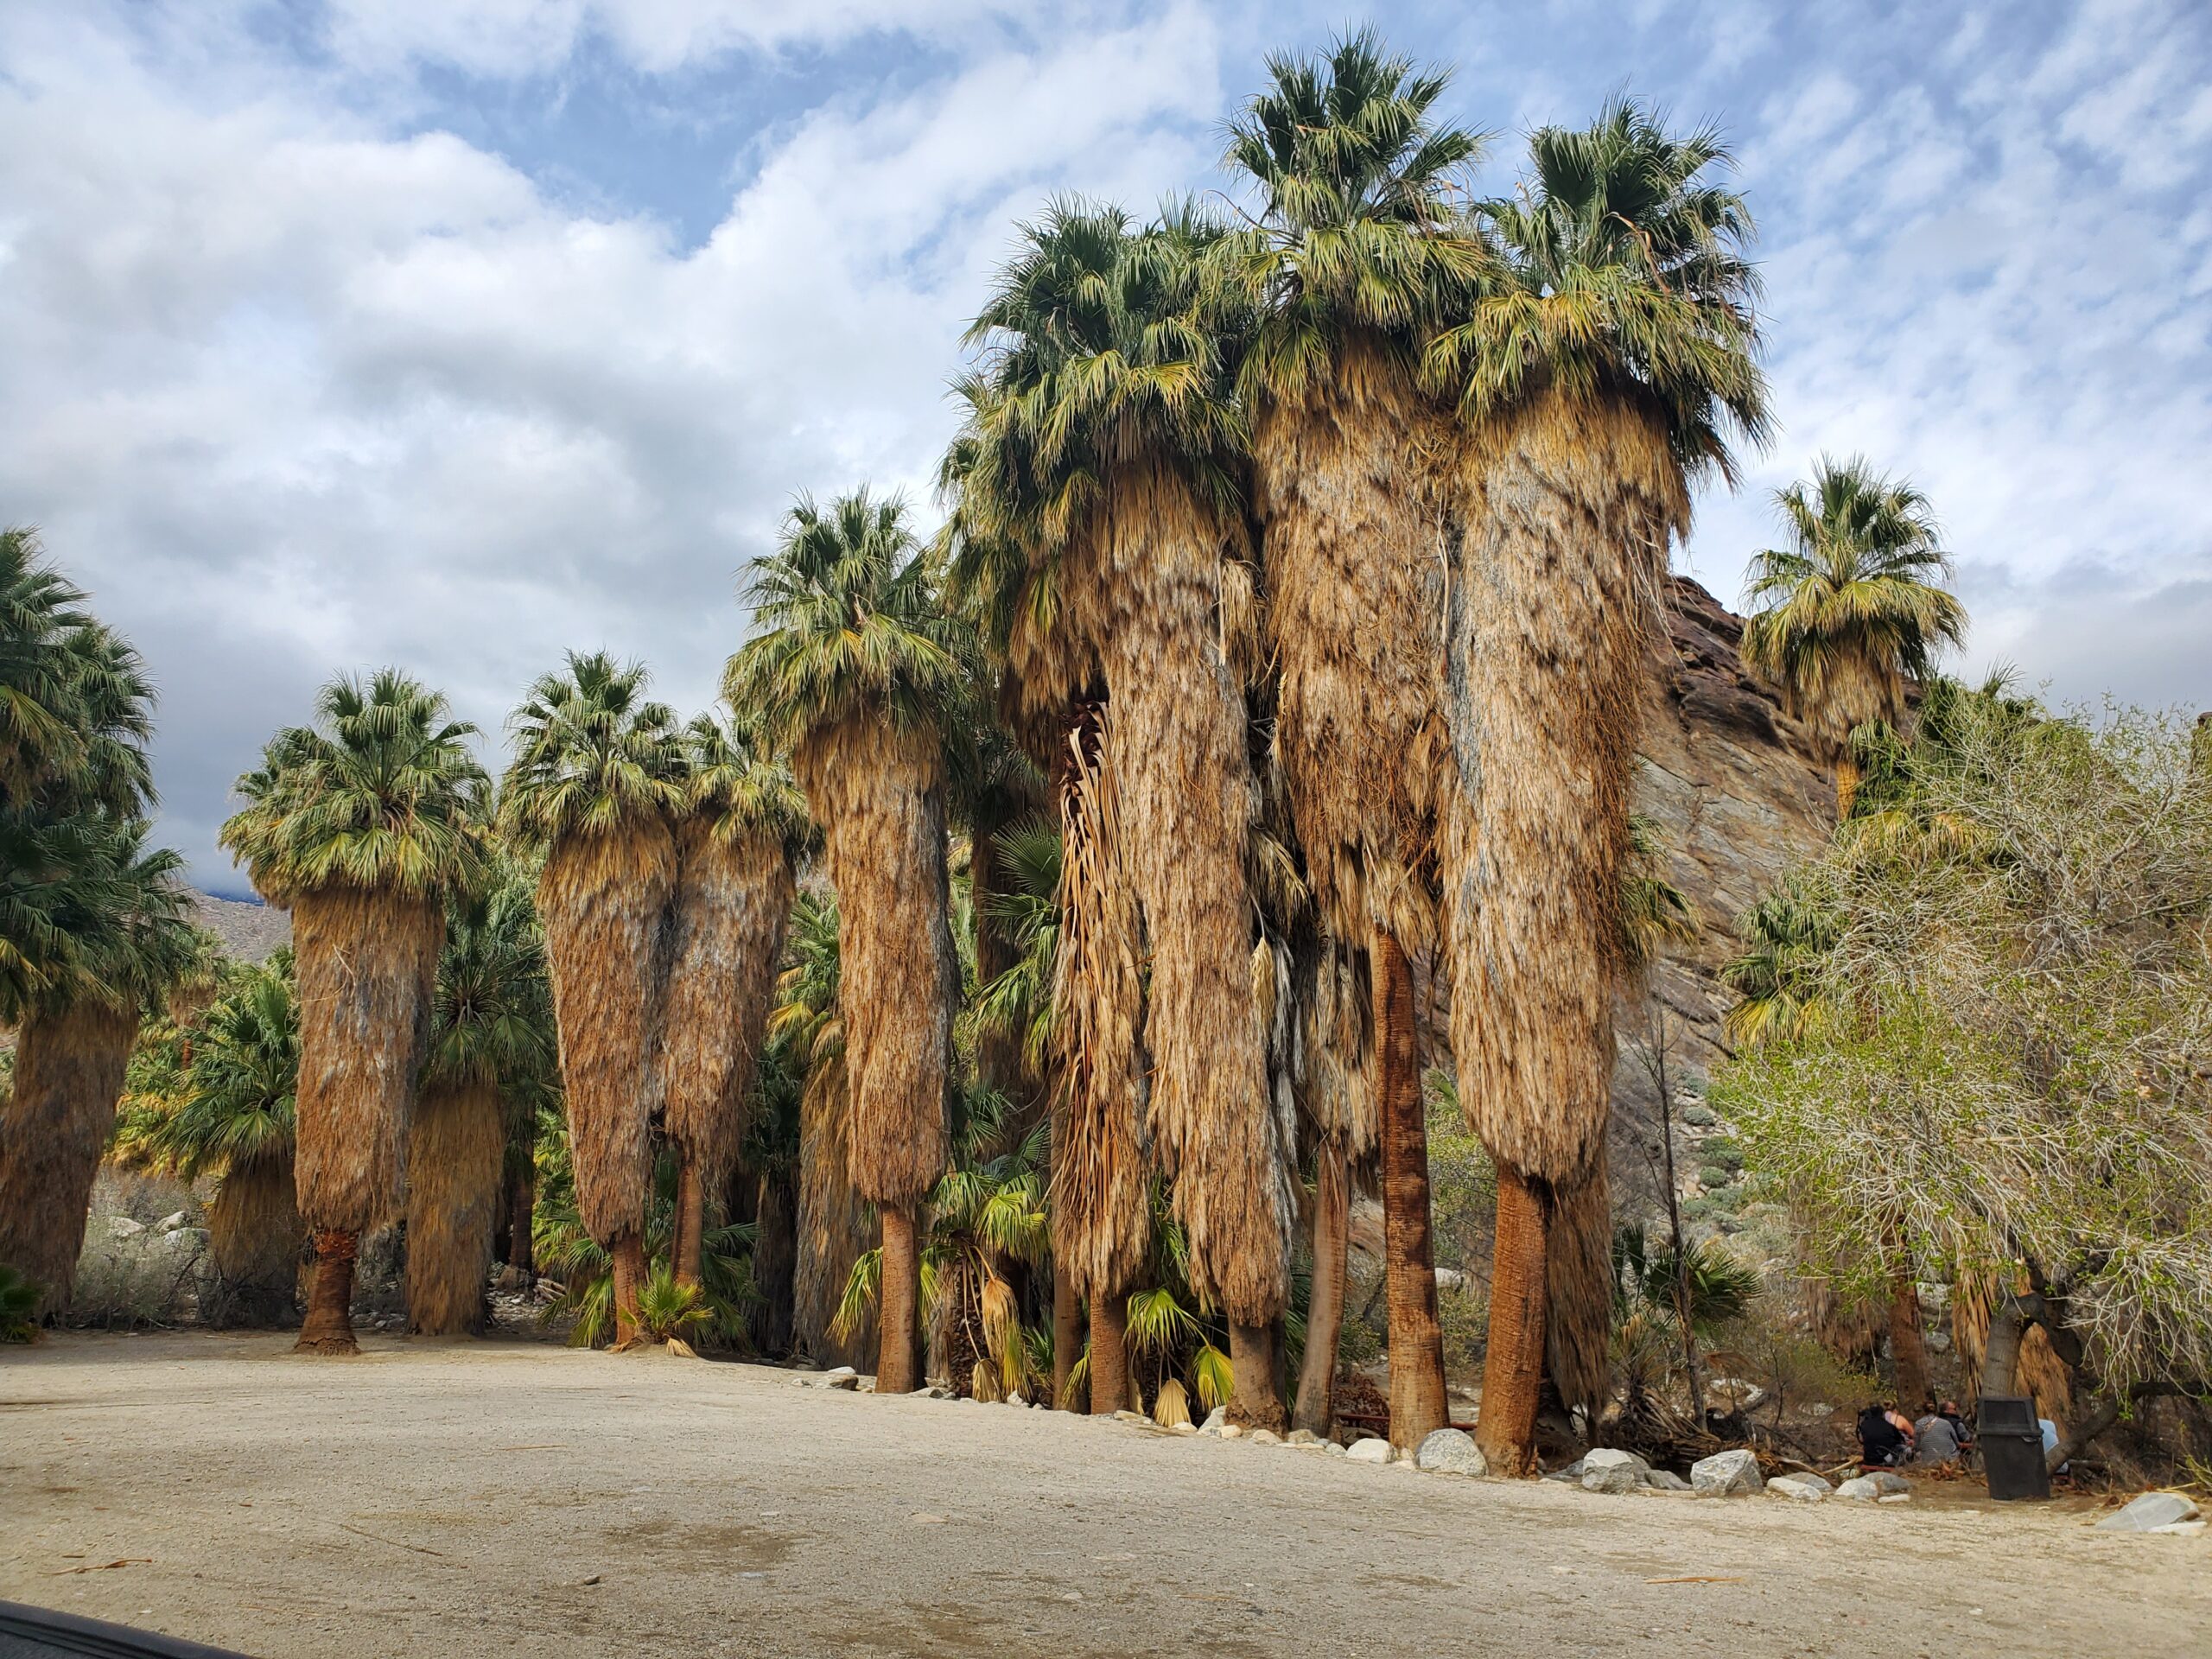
{"points": [[461, 1499]]}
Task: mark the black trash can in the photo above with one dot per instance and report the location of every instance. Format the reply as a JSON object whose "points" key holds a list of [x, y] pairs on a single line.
{"points": [[2011, 1448]]}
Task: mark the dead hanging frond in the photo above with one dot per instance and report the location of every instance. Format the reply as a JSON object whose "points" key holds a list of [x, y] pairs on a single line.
{"points": [[1099, 1221]]}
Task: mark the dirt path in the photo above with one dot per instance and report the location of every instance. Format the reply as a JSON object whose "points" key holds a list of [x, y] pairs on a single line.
{"points": [[458, 1500]]}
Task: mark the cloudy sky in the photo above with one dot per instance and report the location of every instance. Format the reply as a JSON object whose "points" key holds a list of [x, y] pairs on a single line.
{"points": [[456, 332]]}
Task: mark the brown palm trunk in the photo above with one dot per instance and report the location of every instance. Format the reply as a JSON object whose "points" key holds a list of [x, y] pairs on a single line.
{"points": [[1253, 1401], [690, 1223], [1324, 1313], [1417, 1404], [1067, 1334], [629, 1253], [1847, 782], [522, 1206], [1908, 1347], [328, 1328], [899, 1354], [1110, 1355], [775, 1251], [453, 1153], [254, 1236], [53, 1123], [1513, 1368]]}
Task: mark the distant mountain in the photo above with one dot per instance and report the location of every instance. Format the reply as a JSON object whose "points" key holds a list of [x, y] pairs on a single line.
{"points": [[250, 933]]}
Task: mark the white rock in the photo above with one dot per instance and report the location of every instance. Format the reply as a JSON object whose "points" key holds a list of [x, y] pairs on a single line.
{"points": [[1895, 1497], [1266, 1437], [1184, 1428], [1302, 1437], [1015, 1399], [169, 1224], [1231, 1431], [1804, 1489], [2181, 1529], [1131, 1417], [1369, 1450], [1450, 1279], [1216, 1421], [1666, 1480], [2149, 1512], [1334, 1450], [124, 1227], [1881, 1483], [1613, 1472], [1725, 1474], [1450, 1451]]}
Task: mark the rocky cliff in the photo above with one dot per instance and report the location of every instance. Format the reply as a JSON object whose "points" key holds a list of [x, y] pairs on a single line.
{"points": [[250, 933]]}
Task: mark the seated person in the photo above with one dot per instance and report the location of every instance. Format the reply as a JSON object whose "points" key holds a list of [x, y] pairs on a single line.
{"points": [[1885, 1438], [1961, 1431], [1933, 1440]]}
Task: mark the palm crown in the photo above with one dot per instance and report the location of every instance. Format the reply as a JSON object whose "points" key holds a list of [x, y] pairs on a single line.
{"points": [[1850, 608], [240, 1089], [491, 1015], [381, 793], [1099, 347], [852, 628], [594, 756], [97, 916], [1358, 229], [740, 793], [1618, 272]]}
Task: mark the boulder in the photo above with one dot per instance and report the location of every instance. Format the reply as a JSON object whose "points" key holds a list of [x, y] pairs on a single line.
{"points": [[1895, 1497], [123, 1226], [1666, 1480], [1266, 1437], [1804, 1489], [1231, 1431], [1015, 1399], [1334, 1450], [1450, 1451], [848, 1381], [1301, 1437], [1369, 1450], [1571, 1474], [170, 1223], [1612, 1472], [1881, 1483], [2149, 1512], [1217, 1420], [2181, 1529], [1725, 1474]]}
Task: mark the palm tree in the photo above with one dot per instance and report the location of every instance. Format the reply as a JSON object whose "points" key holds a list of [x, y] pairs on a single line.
{"points": [[742, 830], [806, 1042], [1099, 514], [121, 912], [364, 823], [491, 1036], [43, 721], [1849, 611], [597, 777], [1356, 236], [234, 1120], [861, 677], [1601, 367]]}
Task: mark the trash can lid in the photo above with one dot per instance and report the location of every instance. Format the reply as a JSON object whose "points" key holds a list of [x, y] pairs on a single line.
{"points": [[2005, 1415]]}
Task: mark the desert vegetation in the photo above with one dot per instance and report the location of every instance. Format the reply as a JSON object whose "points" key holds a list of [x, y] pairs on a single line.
{"points": [[1088, 910]]}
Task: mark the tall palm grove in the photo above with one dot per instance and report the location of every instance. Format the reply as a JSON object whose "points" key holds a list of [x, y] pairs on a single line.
{"points": [[1019, 974]]}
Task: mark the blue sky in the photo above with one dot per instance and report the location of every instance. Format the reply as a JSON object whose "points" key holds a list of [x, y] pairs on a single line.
{"points": [[457, 333]]}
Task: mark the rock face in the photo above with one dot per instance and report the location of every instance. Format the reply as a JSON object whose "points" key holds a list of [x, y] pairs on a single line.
{"points": [[1616, 1472], [1739, 797], [1725, 1474], [1450, 1451], [249, 933]]}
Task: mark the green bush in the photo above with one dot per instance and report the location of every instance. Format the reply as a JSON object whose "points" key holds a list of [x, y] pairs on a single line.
{"points": [[1465, 1316], [1723, 1150], [1715, 1175], [1703, 1117]]}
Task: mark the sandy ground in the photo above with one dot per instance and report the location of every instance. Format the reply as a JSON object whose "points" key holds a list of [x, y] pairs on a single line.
{"points": [[469, 1499]]}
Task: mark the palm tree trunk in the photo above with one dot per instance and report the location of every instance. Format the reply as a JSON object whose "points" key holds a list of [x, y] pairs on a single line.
{"points": [[328, 1328], [899, 1355], [690, 1223], [1417, 1402], [1908, 1347], [1067, 1335], [1255, 1400], [54, 1124], [1513, 1367], [775, 1254], [254, 1237], [1324, 1313], [1110, 1355], [454, 1151], [629, 1253], [522, 1208]]}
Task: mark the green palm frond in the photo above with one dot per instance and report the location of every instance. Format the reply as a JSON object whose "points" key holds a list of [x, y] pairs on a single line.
{"points": [[592, 755]]}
